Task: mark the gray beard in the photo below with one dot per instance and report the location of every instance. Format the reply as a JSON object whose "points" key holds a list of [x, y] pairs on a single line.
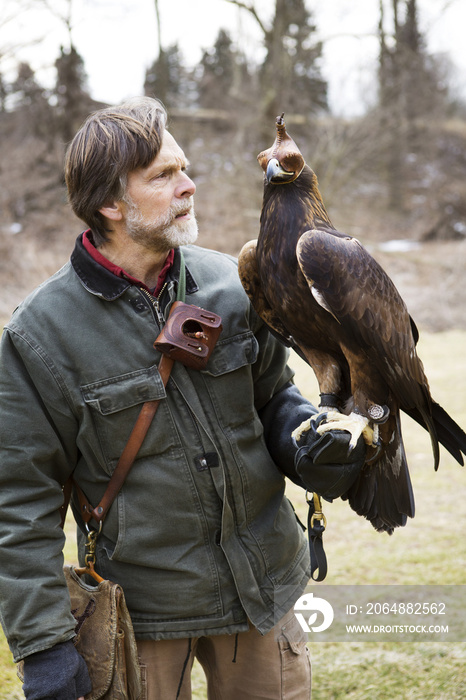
{"points": [[161, 233]]}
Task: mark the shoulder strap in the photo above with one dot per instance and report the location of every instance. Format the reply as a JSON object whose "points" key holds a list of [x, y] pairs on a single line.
{"points": [[133, 445], [181, 292], [125, 462]]}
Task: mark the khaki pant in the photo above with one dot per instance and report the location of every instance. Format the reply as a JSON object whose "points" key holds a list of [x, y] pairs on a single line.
{"points": [[247, 666]]}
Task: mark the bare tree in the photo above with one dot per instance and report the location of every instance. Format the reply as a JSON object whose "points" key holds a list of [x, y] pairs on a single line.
{"points": [[290, 74], [410, 91], [63, 11]]}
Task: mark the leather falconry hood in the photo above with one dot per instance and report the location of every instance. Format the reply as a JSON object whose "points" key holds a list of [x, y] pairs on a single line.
{"points": [[282, 162]]}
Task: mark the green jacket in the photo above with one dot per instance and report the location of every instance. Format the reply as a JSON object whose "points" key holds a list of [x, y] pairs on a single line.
{"points": [[198, 549]]}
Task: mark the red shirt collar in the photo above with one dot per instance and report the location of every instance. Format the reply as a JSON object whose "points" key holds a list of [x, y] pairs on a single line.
{"points": [[119, 272]]}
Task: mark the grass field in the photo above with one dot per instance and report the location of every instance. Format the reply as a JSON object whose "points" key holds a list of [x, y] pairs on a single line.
{"points": [[430, 550]]}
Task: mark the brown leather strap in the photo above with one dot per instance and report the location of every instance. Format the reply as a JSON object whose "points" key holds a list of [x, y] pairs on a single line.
{"points": [[189, 336], [126, 460]]}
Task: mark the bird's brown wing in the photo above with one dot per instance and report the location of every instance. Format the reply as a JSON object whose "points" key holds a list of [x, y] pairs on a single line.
{"points": [[351, 285], [250, 279], [346, 280]]}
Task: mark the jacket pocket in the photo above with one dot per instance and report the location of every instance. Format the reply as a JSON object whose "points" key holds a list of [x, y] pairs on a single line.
{"points": [[115, 404], [295, 661], [232, 353], [117, 393], [229, 379]]}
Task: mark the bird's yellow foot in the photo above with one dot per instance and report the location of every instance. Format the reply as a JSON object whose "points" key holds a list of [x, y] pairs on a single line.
{"points": [[355, 424]]}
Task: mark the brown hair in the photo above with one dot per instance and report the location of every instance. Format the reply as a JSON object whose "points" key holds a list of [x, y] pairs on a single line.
{"points": [[111, 143]]}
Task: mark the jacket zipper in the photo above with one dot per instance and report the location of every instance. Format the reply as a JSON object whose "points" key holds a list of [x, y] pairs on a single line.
{"points": [[155, 304]]}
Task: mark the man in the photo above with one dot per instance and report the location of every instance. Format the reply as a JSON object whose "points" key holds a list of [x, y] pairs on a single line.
{"points": [[205, 545]]}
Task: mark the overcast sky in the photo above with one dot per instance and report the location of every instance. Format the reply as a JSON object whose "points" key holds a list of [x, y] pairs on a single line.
{"points": [[118, 39]]}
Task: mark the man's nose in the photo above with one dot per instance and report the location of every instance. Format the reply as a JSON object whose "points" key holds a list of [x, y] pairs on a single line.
{"points": [[186, 187]]}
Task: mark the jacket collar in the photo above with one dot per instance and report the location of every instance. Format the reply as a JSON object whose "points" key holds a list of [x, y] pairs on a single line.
{"points": [[103, 283]]}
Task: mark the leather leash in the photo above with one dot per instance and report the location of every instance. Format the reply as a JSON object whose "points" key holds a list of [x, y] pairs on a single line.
{"points": [[316, 524]]}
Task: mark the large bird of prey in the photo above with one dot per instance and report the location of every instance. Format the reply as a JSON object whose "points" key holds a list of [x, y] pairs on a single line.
{"points": [[324, 295]]}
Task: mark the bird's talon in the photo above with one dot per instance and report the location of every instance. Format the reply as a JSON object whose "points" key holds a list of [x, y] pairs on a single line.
{"points": [[327, 420], [301, 429], [320, 419]]}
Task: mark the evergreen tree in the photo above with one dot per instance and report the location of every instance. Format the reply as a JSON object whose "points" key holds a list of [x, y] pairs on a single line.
{"points": [[3, 93], [73, 101], [290, 75], [30, 103], [223, 81], [410, 92], [26, 90], [408, 76], [167, 79]]}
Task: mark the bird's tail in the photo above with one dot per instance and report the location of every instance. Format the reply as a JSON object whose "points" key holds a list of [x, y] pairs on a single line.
{"points": [[445, 430], [383, 492]]}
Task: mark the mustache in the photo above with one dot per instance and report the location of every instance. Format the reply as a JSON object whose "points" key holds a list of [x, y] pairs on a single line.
{"points": [[186, 207]]}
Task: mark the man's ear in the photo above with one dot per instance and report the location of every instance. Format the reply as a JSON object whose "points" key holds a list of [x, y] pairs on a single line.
{"points": [[112, 211]]}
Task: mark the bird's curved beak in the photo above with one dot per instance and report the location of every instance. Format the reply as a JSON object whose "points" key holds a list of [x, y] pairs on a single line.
{"points": [[275, 174]]}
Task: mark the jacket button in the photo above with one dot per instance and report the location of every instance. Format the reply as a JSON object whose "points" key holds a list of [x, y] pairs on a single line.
{"points": [[138, 305]]}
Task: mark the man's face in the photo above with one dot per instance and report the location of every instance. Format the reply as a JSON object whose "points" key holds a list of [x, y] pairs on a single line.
{"points": [[158, 204]]}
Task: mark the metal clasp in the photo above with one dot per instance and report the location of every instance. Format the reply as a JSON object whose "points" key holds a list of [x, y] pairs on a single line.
{"points": [[318, 513], [91, 544]]}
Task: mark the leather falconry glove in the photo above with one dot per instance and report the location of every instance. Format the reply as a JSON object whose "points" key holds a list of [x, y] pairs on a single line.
{"points": [[322, 464], [325, 464]]}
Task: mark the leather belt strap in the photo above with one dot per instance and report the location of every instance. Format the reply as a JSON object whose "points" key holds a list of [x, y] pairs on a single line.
{"points": [[125, 462]]}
